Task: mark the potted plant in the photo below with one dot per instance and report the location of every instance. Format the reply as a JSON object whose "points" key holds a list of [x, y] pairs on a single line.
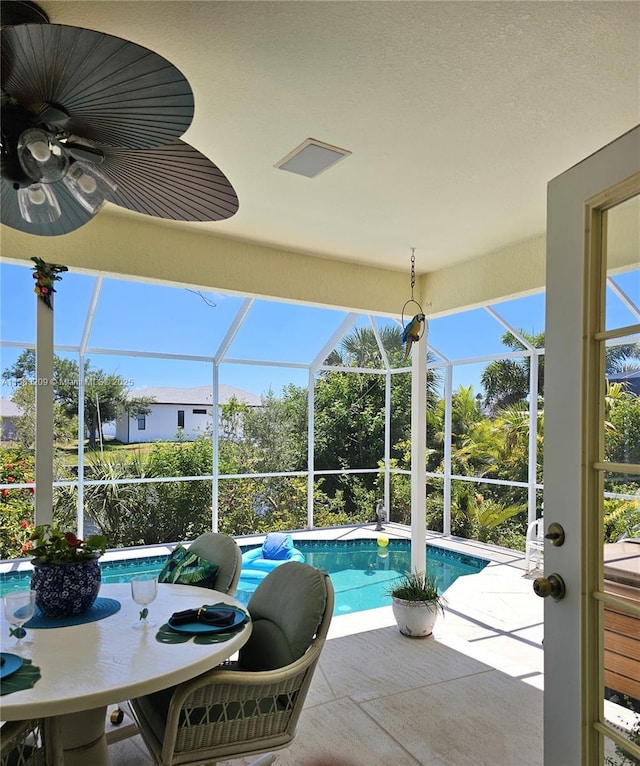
{"points": [[66, 574], [416, 603]]}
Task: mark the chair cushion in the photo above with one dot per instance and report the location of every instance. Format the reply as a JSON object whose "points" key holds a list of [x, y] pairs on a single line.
{"points": [[223, 551], [187, 568], [277, 546], [286, 610]]}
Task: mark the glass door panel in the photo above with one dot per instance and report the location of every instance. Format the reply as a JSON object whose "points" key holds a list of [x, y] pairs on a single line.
{"points": [[615, 752], [619, 477]]}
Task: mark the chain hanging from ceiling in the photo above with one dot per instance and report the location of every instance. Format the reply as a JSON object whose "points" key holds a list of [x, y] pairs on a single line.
{"points": [[414, 329]]}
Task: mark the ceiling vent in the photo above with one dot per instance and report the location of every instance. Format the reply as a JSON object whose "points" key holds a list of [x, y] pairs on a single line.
{"points": [[311, 158]]}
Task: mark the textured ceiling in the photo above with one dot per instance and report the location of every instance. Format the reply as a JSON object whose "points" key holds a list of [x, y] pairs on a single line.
{"points": [[457, 114]]}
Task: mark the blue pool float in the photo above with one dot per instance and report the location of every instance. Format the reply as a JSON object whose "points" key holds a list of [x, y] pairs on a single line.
{"points": [[277, 549]]}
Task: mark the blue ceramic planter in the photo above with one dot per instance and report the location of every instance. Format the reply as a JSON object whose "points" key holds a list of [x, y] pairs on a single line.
{"points": [[63, 590]]}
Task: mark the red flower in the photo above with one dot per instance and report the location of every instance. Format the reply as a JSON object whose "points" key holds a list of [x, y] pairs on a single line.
{"points": [[26, 547], [5, 492], [32, 490], [10, 479], [24, 524], [72, 540]]}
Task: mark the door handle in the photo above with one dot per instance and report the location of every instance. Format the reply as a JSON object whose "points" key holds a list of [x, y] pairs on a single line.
{"points": [[550, 586], [555, 534]]}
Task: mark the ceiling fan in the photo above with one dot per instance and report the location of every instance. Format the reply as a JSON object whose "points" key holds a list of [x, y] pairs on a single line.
{"points": [[88, 117]]}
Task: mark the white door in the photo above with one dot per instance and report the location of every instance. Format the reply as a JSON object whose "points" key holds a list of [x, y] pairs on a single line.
{"points": [[592, 635]]}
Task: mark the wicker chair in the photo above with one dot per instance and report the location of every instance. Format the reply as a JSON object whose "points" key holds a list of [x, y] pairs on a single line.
{"points": [[223, 551], [23, 744], [218, 549], [250, 706]]}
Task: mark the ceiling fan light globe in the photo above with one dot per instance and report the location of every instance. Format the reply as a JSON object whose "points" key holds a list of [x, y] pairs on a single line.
{"points": [[36, 194], [38, 204], [39, 150], [89, 186], [41, 156]]}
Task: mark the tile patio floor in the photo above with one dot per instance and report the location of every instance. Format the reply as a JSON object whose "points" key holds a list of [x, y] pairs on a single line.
{"points": [[470, 695]]}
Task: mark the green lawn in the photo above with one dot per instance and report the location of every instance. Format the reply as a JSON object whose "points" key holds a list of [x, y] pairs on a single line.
{"points": [[110, 449]]}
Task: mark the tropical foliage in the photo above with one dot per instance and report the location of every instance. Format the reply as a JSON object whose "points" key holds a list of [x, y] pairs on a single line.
{"points": [[506, 381], [490, 444], [16, 505]]}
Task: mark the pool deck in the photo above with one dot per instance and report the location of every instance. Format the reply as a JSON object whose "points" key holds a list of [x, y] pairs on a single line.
{"points": [[470, 694]]}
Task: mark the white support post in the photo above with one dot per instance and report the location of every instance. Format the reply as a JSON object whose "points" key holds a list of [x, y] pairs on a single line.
{"points": [[215, 435], [387, 444], [533, 437], [44, 413], [81, 432], [310, 445], [418, 456], [448, 414]]}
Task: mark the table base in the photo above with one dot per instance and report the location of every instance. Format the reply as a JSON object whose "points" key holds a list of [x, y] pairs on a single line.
{"points": [[80, 738]]}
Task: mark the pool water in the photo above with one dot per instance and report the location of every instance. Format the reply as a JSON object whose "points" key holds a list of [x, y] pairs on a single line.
{"points": [[361, 571]]}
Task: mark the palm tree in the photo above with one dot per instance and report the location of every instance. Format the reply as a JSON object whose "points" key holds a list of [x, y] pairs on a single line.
{"points": [[506, 381], [360, 349], [622, 358]]}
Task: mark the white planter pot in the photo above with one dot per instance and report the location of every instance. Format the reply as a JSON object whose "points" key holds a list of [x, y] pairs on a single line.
{"points": [[414, 618]]}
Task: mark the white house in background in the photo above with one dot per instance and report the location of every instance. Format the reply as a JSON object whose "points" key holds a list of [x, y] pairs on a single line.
{"points": [[176, 410], [9, 414]]}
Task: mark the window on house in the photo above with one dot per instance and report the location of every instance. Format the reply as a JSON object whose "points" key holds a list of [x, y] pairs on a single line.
{"points": [[199, 412], [180, 418], [142, 422]]}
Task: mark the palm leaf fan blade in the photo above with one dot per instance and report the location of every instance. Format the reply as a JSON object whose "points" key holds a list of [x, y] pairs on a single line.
{"points": [[115, 92], [175, 182]]}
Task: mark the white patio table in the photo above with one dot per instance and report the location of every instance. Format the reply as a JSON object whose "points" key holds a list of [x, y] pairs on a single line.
{"points": [[84, 668]]}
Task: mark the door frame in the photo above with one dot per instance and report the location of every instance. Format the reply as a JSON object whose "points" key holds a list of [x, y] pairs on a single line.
{"points": [[571, 703]]}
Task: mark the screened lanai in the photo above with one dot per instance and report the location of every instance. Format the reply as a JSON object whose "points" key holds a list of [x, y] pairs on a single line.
{"points": [[155, 336]]}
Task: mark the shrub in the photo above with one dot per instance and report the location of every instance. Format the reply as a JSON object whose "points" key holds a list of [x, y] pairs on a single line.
{"points": [[621, 517], [16, 505]]}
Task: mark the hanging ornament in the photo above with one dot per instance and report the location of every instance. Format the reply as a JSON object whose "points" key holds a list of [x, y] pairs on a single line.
{"points": [[45, 275], [414, 329]]}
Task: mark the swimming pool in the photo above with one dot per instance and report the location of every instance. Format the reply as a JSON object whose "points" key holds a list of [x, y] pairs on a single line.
{"points": [[360, 570]]}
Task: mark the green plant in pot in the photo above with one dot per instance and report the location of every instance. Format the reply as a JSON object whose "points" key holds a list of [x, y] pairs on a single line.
{"points": [[66, 573], [416, 603]]}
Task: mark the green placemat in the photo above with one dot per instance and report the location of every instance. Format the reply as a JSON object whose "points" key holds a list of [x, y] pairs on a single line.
{"points": [[22, 679], [167, 635]]}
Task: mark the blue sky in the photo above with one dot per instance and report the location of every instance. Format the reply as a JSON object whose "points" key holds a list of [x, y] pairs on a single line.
{"points": [[153, 317]]}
